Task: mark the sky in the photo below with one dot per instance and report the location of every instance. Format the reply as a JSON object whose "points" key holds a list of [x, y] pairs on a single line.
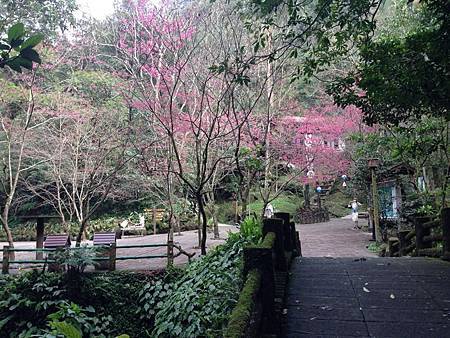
{"points": [[98, 9]]}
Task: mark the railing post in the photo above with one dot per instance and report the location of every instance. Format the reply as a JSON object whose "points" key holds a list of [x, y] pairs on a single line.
{"points": [[112, 257], [445, 221], [5, 265], [275, 225], [391, 245], [421, 232], [402, 243], [297, 250], [169, 253], [262, 260], [287, 234]]}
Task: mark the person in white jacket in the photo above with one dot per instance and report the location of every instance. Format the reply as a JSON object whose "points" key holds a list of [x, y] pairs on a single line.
{"points": [[268, 212], [355, 206]]}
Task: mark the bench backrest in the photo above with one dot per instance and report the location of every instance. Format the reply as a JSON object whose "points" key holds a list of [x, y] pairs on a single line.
{"points": [[104, 238], [57, 241]]}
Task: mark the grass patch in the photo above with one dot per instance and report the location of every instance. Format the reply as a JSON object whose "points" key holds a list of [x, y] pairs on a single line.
{"points": [[283, 203], [337, 204]]}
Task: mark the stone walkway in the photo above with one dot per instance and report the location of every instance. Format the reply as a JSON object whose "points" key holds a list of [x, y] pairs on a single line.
{"points": [[339, 290], [335, 238]]}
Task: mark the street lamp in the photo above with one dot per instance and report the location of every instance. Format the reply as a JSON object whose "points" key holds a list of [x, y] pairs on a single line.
{"points": [[373, 164], [319, 202]]}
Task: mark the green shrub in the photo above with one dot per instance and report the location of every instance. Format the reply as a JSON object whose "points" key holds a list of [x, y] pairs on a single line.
{"points": [[72, 320], [251, 229], [200, 302], [27, 300]]}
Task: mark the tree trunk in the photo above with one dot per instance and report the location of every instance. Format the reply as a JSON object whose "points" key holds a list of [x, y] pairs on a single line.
{"points": [[81, 232], [199, 229], [9, 236], [204, 223], [215, 222]]}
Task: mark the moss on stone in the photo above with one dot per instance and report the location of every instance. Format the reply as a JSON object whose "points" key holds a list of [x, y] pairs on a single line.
{"points": [[240, 317]]}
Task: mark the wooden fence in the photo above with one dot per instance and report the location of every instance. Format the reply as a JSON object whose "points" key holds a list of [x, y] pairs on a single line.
{"points": [[107, 253], [259, 308], [425, 239]]}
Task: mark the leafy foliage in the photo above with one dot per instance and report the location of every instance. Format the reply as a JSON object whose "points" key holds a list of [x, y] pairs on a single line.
{"points": [[25, 302], [17, 51], [251, 229], [401, 78], [199, 303]]}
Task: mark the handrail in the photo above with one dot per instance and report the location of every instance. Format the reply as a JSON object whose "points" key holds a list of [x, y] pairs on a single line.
{"points": [[266, 265], [423, 239]]}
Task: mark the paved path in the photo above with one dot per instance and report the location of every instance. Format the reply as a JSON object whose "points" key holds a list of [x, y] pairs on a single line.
{"points": [[335, 238], [188, 241], [351, 296], [373, 297]]}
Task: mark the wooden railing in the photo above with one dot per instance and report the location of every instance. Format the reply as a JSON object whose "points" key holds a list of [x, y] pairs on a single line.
{"points": [[259, 308], [105, 254], [423, 240]]}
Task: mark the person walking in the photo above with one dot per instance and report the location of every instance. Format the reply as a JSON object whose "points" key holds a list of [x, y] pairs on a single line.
{"points": [[268, 212], [355, 206]]}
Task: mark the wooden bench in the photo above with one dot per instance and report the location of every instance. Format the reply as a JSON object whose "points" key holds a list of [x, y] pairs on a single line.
{"points": [[107, 239], [56, 242]]}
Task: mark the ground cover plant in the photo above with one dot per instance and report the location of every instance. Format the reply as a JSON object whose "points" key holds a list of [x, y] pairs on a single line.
{"points": [[195, 301]]}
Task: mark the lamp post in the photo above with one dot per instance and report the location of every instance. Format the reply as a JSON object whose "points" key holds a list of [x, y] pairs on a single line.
{"points": [[319, 202], [373, 163]]}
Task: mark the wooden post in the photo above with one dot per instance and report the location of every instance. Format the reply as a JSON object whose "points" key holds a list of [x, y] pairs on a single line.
{"points": [[295, 245], [402, 242], [262, 260], [154, 221], [376, 206], [445, 221], [421, 232], [169, 253], [112, 257], [299, 243], [276, 225], [40, 226], [391, 245], [5, 265], [286, 217]]}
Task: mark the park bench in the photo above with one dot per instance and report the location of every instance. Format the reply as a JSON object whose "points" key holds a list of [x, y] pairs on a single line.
{"points": [[139, 227], [56, 242], [107, 240]]}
